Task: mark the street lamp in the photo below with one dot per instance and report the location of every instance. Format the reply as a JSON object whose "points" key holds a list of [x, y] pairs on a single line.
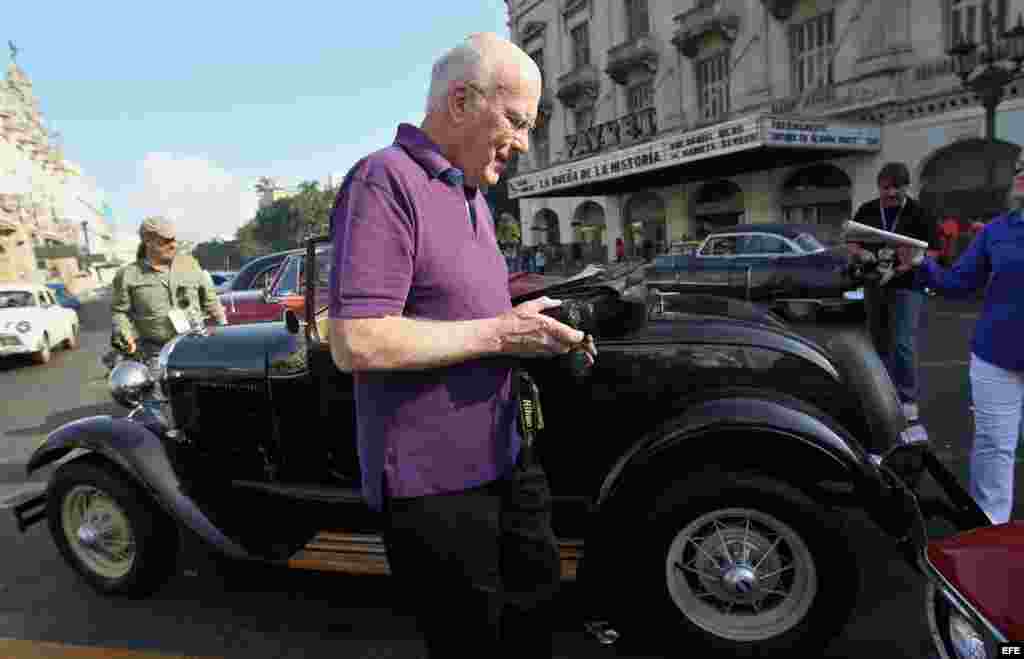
{"points": [[993, 59]]}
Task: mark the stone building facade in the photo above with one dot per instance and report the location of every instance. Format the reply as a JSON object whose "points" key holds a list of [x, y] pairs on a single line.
{"points": [[666, 119], [44, 198]]}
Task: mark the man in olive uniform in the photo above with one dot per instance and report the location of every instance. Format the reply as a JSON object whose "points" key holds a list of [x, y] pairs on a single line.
{"points": [[162, 294]]}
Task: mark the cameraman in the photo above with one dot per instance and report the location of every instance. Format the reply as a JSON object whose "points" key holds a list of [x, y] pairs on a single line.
{"points": [[162, 294], [894, 309]]}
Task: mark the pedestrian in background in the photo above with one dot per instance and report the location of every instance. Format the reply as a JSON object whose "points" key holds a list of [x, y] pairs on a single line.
{"points": [[420, 313], [162, 294], [894, 310], [995, 259]]}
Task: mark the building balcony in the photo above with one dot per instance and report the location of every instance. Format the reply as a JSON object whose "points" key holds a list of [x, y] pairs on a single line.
{"points": [[626, 130], [782, 10], [692, 27], [579, 87], [636, 55]]}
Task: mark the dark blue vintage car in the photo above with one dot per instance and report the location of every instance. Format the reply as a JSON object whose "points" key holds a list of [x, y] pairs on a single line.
{"points": [[785, 266], [702, 469]]}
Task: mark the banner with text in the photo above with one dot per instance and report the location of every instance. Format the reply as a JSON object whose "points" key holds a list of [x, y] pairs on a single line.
{"points": [[681, 148]]}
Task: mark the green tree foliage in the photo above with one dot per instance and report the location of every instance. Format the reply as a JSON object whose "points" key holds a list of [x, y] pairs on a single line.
{"points": [[509, 231], [218, 255], [288, 221]]}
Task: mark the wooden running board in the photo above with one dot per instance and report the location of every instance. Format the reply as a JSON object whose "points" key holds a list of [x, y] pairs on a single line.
{"points": [[364, 554]]}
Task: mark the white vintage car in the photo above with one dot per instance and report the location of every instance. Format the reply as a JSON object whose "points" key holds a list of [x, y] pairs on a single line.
{"points": [[32, 322]]}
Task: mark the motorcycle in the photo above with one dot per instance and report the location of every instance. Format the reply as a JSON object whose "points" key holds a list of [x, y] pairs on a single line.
{"points": [[974, 599]]}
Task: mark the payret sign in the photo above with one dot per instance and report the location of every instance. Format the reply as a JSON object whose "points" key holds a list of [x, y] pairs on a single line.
{"points": [[729, 137]]}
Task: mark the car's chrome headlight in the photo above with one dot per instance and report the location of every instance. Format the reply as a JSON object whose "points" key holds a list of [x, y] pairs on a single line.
{"points": [[24, 327], [130, 381]]}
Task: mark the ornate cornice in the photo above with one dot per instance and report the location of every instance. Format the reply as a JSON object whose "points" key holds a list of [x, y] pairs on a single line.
{"points": [[694, 25]]}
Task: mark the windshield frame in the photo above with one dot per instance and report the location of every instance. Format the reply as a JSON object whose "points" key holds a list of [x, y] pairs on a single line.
{"points": [[804, 236]]}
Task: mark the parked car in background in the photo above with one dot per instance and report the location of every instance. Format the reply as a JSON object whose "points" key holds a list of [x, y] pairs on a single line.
{"points": [[65, 299], [221, 279], [784, 266], [685, 247], [32, 322], [243, 298], [288, 288]]}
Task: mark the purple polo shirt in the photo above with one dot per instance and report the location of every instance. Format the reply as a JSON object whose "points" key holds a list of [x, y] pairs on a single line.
{"points": [[404, 244]]}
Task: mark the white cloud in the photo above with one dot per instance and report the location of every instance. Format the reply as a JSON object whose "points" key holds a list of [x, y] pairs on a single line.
{"points": [[202, 198]]}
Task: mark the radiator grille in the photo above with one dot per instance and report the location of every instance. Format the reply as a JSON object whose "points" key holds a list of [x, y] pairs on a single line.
{"points": [[230, 415]]}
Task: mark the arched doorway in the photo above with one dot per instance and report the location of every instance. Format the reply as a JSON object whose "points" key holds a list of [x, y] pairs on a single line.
{"points": [[719, 205], [644, 223], [589, 233], [969, 179], [545, 226], [820, 195]]}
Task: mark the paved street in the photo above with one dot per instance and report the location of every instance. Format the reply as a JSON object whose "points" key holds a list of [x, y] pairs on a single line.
{"points": [[259, 613]]}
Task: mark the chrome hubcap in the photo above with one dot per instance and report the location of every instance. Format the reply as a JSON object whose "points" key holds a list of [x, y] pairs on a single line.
{"points": [[741, 574], [98, 531], [740, 581]]}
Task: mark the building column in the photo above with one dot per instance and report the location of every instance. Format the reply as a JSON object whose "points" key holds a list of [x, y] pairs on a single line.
{"points": [[613, 227]]}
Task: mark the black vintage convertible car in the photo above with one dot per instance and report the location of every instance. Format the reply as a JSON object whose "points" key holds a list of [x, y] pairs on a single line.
{"points": [[700, 468], [785, 266]]}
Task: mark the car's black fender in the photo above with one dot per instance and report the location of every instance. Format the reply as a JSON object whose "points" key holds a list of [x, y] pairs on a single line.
{"points": [[142, 456], [791, 428]]}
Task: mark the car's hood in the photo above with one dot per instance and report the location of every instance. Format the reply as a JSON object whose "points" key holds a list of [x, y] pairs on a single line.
{"points": [[14, 315], [722, 307], [238, 351]]}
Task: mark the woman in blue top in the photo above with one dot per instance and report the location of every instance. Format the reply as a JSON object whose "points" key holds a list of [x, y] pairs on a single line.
{"points": [[995, 259]]}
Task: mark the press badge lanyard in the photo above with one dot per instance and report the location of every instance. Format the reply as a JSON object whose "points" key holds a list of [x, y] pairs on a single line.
{"points": [[895, 220]]}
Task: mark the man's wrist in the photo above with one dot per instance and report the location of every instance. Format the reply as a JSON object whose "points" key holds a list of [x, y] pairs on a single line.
{"points": [[488, 339]]}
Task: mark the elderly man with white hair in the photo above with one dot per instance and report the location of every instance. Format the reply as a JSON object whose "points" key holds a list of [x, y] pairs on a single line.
{"points": [[420, 313]]}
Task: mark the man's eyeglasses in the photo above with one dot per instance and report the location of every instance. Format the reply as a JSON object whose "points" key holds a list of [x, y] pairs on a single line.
{"points": [[516, 121]]}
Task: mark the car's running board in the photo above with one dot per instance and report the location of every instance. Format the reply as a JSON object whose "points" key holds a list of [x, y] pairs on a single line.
{"points": [[305, 492], [365, 554]]}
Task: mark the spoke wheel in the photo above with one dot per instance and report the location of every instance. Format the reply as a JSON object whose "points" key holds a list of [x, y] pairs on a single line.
{"points": [[741, 575], [108, 529], [736, 564], [98, 531], [75, 339], [43, 355]]}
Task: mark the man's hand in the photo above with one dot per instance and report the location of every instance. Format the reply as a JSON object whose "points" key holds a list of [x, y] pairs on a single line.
{"points": [[129, 342], [859, 253], [526, 332], [908, 257]]}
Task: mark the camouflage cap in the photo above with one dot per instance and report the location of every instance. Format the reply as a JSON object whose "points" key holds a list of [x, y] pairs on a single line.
{"points": [[159, 225]]}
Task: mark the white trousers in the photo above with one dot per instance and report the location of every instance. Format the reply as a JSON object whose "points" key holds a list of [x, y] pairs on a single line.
{"points": [[998, 398]]}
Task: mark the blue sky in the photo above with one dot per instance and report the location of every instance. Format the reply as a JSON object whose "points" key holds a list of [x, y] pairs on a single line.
{"points": [[177, 108]]}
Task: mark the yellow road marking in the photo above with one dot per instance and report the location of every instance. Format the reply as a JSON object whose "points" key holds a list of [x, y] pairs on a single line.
{"points": [[20, 649]]}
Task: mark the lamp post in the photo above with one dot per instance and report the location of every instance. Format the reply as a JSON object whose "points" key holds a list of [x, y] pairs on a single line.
{"points": [[987, 67]]}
